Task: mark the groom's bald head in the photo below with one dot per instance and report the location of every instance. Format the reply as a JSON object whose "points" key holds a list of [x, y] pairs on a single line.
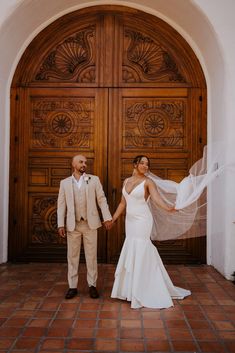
{"points": [[79, 163]]}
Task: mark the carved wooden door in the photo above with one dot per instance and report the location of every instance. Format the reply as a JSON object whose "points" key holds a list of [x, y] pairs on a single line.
{"points": [[109, 82], [56, 124], [158, 123]]}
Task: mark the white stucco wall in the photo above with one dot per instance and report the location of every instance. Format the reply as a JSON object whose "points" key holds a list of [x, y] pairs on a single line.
{"points": [[222, 207], [208, 26]]}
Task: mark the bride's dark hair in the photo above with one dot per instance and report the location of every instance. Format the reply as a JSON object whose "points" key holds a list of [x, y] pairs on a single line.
{"points": [[137, 159]]}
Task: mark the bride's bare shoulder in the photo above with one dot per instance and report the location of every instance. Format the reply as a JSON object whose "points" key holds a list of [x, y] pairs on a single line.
{"points": [[149, 182], [125, 181]]}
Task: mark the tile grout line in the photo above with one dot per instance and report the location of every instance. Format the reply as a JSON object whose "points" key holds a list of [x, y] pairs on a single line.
{"points": [[190, 329], [167, 330], [210, 321], [206, 316], [29, 320], [69, 338], [43, 338], [145, 340]]}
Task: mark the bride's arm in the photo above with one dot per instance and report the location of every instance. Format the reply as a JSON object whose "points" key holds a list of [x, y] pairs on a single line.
{"points": [[121, 207], [156, 197]]}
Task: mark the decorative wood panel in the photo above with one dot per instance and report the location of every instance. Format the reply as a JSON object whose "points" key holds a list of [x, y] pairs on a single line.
{"points": [[147, 60], [43, 221], [73, 59], [110, 82], [109, 46], [154, 123], [63, 123], [48, 171]]}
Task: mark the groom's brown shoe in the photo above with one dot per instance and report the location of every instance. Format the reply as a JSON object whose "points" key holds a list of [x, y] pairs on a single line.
{"points": [[72, 292], [93, 292]]}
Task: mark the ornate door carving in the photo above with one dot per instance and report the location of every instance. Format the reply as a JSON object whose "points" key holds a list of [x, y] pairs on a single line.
{"points": [[158, 123], [110, 82], [56, 124]]}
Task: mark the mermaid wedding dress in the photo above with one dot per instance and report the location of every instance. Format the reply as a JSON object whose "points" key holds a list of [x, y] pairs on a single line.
{"points": [[140, 276]]}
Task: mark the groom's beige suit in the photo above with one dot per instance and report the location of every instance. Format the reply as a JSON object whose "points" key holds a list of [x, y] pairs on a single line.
{"points": [[77, 211]]}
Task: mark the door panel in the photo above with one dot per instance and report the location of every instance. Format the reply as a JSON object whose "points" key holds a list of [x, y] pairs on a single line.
{"points": [[158, 123], [59, 123]]}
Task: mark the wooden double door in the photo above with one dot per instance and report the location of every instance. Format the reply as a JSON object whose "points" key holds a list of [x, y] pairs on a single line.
{"points": [[110, 83]]}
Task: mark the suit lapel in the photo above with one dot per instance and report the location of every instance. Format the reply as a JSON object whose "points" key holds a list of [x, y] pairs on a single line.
{"points": [[70, 190], [86, 188]]}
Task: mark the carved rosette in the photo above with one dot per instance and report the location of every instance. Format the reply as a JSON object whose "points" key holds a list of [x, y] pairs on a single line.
{"points": [[72, 60], [154, 124], [44, 220], [146, 60], [62, 123]]}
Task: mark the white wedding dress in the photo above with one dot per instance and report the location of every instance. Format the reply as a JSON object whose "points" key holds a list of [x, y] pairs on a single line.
{"points": [[140, 276]]}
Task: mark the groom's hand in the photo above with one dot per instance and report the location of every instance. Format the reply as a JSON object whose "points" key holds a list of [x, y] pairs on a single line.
{"points": [[108, 224], [61, 232]]}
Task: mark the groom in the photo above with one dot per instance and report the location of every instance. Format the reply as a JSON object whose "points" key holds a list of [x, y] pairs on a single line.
{"points": [[77, 208]]}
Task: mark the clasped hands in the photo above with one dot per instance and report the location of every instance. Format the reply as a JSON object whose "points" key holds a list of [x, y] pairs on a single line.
{"points": [[108, 224]]}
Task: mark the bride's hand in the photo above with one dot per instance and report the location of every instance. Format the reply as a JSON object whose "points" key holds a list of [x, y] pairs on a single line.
{"points": [[109, 224]]}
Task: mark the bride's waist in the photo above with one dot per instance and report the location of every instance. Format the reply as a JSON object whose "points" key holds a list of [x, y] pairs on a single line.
{"points": [[139, 215]]}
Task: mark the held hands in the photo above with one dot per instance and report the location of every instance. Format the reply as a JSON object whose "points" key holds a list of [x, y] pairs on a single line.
{"points": [[108, 224]]}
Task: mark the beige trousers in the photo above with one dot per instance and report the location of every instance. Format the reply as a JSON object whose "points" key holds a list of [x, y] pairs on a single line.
{"points": [[74, 239]]}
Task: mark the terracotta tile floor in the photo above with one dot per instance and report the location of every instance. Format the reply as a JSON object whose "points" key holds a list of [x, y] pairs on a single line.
{"points": [[35, 317]]}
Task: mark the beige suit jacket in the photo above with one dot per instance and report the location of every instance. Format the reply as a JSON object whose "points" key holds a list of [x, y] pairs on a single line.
{"points": [[94, 195]]}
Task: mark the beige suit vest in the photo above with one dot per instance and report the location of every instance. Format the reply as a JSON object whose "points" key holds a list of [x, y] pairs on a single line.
{"points": [[80, 204]]}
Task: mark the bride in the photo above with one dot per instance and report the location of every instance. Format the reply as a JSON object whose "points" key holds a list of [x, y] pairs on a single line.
{"points": [[140, 276]]}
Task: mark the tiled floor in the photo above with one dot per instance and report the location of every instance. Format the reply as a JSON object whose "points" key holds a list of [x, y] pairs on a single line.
{"points": [[35, 317]]}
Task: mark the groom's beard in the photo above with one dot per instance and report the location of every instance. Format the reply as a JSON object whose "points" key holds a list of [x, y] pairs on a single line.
{"points": [[82, 170]]}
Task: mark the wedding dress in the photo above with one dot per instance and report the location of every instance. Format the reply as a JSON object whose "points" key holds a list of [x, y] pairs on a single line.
{"points": [[140, 276]]}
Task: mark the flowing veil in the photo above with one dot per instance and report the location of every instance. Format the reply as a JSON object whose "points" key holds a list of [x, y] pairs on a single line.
{"points": [[189, 199]]}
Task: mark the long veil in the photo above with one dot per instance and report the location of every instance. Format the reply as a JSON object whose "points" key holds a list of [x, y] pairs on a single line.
{"points": [[189, 199]]}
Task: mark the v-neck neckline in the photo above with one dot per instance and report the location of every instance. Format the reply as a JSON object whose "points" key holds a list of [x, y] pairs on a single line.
{"points": [[128, 193]]}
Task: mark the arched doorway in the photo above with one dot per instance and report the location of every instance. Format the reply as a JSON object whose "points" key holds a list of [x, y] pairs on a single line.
{"points": [[110, 82]]}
